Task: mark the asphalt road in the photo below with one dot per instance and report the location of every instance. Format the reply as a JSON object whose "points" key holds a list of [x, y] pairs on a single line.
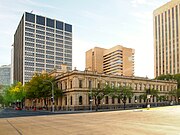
{"points": [[156, 121], [10, 112]]}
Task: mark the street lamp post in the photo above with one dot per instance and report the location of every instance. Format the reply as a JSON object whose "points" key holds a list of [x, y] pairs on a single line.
{"points": [[52, 94]]}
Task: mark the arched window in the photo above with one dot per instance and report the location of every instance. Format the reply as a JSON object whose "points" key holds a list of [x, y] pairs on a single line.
{"points": [[80, 100]]}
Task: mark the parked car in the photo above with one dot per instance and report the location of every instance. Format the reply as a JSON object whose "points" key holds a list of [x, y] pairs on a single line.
{"points": [[18, 108]]}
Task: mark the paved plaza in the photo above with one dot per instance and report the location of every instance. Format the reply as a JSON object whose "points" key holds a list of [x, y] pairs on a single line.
{"points": [[157, 121]]}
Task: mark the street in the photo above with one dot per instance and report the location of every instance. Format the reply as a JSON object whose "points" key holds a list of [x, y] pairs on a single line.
{"points": [[156, 121]]}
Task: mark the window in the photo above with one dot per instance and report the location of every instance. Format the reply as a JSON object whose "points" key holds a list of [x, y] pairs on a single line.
{"points": [[29, 44], [80, 100], [40, 55], [59, 58], [68, 27], [39, 60], [112, 100], [49, 66], [40, 37], [40, 32], [40, 46], [29, 49], [29, 58], [90, 84], [68, 47], [29, 63], [50, 43], [40, 27], [71, 100], [29, 34], [40, 41], [50, 48], [30, 17], [65, 100], [29, 39], [49, 52], [50, 62], [80, 83], [59, 36], [71, 84], [107, 100], [59, 32], [67, 60], [29, 54], [49, 38], [29, 68], [40, 20], [119, 100], [59, 50], [49, 57], [39, 65], [29, 29], [50, 34], [40, 51], [59, 45], [129, 100], [49, 22], [59, 41], [59, 25]]}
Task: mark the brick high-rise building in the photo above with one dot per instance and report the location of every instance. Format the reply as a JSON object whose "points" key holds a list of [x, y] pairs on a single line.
{"points": [[116, 60], [166, 38], [40, 43]]}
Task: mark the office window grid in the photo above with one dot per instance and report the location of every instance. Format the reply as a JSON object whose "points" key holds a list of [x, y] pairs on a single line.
{"points": [[44, 39]]}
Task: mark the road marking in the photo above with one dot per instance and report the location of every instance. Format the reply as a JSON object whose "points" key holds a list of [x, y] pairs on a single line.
{"points": [[15, 128]]}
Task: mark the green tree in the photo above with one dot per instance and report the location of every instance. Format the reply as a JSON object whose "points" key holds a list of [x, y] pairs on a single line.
{"points": [[99, 93], [39, 87], [124, 93], [151, 92], [14, 93]]}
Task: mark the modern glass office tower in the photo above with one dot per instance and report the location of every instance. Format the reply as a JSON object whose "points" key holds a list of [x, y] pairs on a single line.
{"points": [[5, 75], [166, 38], [40, 43]]}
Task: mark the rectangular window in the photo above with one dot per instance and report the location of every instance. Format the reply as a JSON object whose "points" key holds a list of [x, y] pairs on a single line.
{"points": [[49, 22], [80, 83], [40, 20], [59, 25], [68, 27], [30, 17]]}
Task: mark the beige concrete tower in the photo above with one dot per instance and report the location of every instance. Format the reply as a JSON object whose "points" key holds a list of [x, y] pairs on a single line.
{"points": [[116, 60], [166, 21]]}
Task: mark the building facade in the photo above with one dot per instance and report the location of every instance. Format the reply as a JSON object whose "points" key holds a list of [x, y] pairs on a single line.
{"points": [[40, 43], [5, 75], [166, 21], [78, 85], [117, 60]]}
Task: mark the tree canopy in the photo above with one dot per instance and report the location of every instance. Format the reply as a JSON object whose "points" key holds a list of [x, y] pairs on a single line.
{"points": [[40, 87]]}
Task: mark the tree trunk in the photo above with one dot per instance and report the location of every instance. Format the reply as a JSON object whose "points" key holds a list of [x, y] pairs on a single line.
{"points": [[124, 105]]}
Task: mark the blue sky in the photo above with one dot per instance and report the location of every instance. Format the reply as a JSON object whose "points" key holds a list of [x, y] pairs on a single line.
{"points": [[102, 23]]}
